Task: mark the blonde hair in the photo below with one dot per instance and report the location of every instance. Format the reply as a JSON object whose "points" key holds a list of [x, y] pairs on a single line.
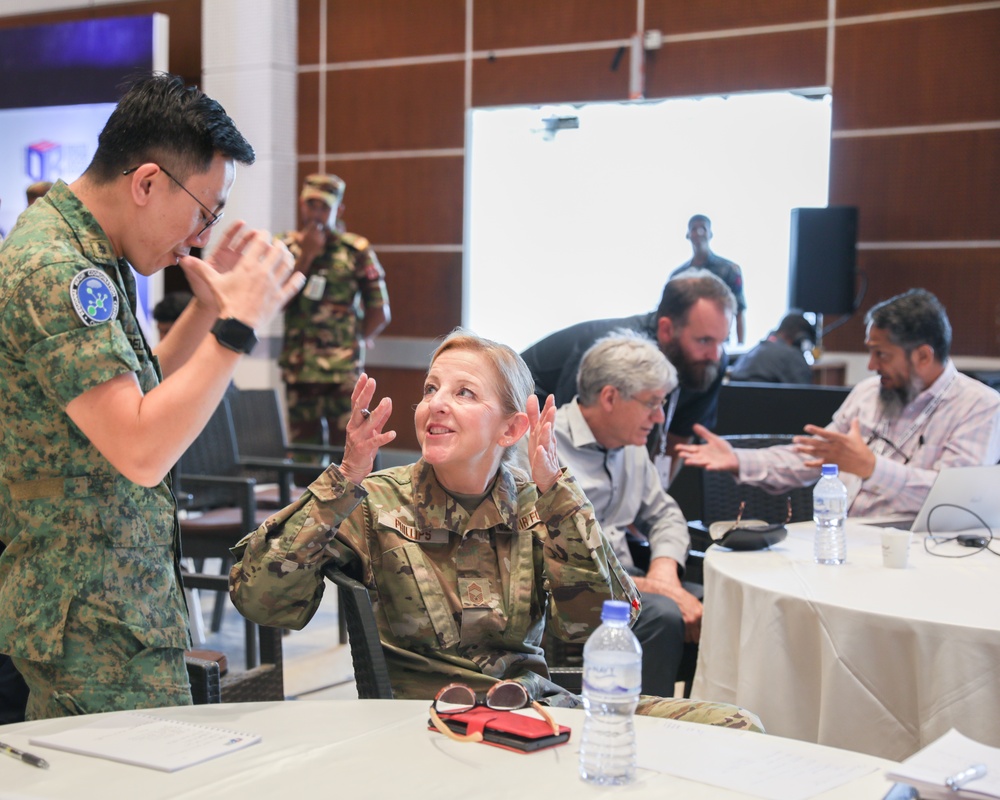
{"points": [[511, 375]]}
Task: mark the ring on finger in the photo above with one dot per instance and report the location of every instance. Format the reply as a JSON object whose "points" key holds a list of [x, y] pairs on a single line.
{"points": [[365, 413]]}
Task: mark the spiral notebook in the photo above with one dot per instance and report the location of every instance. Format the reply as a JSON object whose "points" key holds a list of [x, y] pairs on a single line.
{"points": [[145, 740]]}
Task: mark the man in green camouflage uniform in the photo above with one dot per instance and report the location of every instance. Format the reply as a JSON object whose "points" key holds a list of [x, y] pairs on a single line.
{"points": [[458, 595], [343, 307], [91, 606]]}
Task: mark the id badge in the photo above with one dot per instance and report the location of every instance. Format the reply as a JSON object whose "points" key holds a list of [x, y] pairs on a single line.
{"points": [[663, 464], [314, 287]]}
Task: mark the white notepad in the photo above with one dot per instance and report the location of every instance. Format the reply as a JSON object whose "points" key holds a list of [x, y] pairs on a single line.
{"points": [[148, 741], [948, 755]]}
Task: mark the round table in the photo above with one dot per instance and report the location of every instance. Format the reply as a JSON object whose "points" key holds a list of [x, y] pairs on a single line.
{"points": [[383, 749], [857, 656]]}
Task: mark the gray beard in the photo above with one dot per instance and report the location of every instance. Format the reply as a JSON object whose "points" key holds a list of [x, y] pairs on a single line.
{"points": [[895, 400]]}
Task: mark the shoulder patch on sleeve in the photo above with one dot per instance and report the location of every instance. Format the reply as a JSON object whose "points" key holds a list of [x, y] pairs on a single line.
{"points": [[354, 240], [94, 296]]}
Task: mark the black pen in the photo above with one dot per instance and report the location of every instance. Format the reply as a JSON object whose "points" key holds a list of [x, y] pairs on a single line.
{"points": [[27, 758]]}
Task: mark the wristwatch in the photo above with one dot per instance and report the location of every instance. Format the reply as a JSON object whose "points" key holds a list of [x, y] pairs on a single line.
{"points": [[234, 335]]}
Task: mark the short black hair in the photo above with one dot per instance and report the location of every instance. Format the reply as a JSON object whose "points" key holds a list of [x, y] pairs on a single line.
{"points": [[171, 306], [699, 218], [688, 288], [158, 118], [912, 319], [797, 328]]}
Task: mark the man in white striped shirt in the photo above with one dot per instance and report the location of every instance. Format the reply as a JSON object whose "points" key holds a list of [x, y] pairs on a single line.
{"points": [[895, 431]]}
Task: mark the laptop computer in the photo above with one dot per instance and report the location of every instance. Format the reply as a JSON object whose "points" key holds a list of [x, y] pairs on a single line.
{"points": [[958, 496]]}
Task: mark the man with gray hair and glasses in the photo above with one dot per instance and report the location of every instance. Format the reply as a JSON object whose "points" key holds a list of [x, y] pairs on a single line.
{"points": [[622, 384], [895, 431]]}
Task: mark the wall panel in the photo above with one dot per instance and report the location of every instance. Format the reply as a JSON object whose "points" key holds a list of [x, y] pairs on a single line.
{"points": [[967, 281], [750, 63], [405, 387], [406, 201], [425, 292], [308, 107], [377, 29], [674, 17], [589, 75], [864, 8], [920, 187], [427, 108], [922, 71], [309, 31], [531, 23]]}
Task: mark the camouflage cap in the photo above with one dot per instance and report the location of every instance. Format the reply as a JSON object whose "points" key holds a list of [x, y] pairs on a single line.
{"points": [[328, 188]]}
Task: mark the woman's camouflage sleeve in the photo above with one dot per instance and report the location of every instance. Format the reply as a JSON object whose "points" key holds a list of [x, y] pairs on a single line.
{"points": [[278, 577], [580, 567]]}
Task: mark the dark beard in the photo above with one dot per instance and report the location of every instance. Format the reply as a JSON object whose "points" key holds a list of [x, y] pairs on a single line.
{"points": [[697, 376]]}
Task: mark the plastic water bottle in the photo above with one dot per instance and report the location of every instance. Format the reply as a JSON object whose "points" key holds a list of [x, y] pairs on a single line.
{"points": [[612, 679], [829, 512]]}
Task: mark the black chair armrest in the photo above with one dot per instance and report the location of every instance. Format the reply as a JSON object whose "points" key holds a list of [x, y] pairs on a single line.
{"points": [[701, 540], [570, 678], [243, 492], [236, 482], [329, 450], [282, 464], [205, 681], [371, 672]]}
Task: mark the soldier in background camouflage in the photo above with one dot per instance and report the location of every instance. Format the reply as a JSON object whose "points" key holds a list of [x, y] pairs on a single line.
{"points": [[465, 558], [91, 606], [343, 307]]}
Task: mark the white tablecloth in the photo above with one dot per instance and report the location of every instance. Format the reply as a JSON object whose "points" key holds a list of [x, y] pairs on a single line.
{"points": [[857, 656], [382, 749]]}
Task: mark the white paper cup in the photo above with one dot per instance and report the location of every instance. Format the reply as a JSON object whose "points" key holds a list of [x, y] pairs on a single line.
{"points": [[895, 548]]}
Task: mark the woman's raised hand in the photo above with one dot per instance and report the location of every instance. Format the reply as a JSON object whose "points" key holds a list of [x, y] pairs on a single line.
{"points": [[545, 469], [364, 430]]}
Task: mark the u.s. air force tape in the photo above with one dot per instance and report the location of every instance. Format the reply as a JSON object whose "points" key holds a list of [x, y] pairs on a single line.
{"points": [[94, 296]]}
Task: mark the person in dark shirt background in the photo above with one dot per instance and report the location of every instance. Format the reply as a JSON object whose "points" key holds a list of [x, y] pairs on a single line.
{"points": [[780, 357], [700, 234]]}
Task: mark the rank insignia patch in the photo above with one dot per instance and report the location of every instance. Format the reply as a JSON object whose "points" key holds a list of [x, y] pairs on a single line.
{"points": [[94, 297]]}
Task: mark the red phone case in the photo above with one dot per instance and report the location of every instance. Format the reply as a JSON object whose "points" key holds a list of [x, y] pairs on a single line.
{"points": [[507, 729]]}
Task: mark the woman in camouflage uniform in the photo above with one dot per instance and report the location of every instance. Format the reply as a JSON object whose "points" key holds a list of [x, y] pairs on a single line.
{"points": [[466, 558]]}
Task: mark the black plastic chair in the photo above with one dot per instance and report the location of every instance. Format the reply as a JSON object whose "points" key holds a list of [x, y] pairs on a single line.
{"points": [[371, 671], [264, 450], [218, 502], [264, 679]]}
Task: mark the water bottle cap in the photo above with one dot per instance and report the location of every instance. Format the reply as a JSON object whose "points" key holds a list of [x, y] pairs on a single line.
{"points": [[830, 469], [615, 611]]}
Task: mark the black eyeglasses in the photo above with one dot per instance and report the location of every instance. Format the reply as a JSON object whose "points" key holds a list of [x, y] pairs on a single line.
{"points": [[906, 458], [212, 216]]}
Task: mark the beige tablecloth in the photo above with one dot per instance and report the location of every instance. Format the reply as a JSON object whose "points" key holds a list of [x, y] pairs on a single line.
{"points": [[857, 656], [381, 749]]}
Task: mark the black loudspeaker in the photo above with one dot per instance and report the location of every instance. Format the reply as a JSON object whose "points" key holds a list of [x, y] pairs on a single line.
{"points": [[822, 259]]}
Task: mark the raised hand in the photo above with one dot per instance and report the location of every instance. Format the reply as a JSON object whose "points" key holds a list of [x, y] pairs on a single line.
{"points": [[847, 450], [364, 430], [715, 454], [248, 276], [542, 456]]}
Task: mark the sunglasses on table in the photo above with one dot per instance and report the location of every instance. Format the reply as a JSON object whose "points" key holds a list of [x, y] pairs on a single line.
{"points": [[457, 698]]}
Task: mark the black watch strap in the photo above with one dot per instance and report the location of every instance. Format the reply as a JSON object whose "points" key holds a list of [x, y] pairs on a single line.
{"points": [[234, 335]]}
